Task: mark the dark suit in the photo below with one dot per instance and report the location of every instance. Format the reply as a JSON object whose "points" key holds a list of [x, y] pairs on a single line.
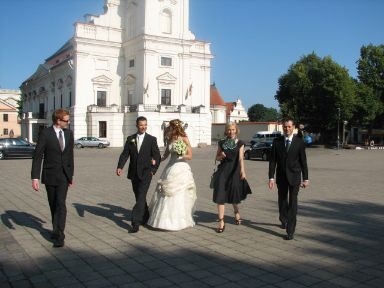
{"points": [[56, 174], [140, 172], [291, 168]]}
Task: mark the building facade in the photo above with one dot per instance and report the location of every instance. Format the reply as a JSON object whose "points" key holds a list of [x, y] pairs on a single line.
{"points": [[139, 58], [236, 112], [9, 113], [218, 106], [223, 112]]}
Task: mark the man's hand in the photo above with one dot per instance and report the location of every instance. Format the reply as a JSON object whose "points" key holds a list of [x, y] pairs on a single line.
{"points": [[271, 183], [119, 171], [304, 184], [35, 184]]}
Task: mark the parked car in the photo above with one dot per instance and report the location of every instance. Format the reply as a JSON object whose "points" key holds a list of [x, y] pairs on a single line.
{"points": [[262, 136], [15, 148], [259, 150], [91, 142]]}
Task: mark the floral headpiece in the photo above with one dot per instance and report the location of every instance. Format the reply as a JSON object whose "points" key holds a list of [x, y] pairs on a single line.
{"points": [[177, 123]]}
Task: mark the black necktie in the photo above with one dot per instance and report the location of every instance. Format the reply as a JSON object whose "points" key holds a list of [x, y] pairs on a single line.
{"points": [[287, 144], [61, 140]]}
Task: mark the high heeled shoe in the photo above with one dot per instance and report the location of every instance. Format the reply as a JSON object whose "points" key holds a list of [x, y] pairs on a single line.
{"points": [[220, 229], [237, 220]]}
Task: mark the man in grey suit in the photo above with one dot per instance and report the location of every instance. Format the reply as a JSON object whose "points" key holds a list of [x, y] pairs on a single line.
{"points": [[55, 149], [144, 156], [289, 161]]}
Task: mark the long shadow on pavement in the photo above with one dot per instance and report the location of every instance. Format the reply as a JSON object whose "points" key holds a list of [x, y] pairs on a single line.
{"points": [[114, 213], [11, 217]]}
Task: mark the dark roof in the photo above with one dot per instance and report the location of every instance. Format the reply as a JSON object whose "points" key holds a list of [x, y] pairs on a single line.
{"points": [[67, 46]]}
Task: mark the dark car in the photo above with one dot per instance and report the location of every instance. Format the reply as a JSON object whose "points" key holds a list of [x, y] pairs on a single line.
{"points": [[260, 150], [15, 148], [91, 142]]}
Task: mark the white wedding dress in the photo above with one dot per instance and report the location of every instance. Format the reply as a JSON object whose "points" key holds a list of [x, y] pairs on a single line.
{"points": [[172, 205]]}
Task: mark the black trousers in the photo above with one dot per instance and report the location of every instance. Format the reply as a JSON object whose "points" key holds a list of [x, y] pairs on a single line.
{"points": [[57, 195], [140, 212], [288, 201]]}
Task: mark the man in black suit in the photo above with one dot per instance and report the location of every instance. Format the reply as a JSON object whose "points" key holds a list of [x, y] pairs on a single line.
{"points": [[55, 145], [144, 156], [289, 161]]}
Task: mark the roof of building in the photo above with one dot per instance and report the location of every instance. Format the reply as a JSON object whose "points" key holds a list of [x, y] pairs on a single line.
{"points": [[67, 46], [230, 107], [6, 106], [215, 96]]}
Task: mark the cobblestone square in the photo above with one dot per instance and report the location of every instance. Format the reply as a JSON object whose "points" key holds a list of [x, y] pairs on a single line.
{"points": [[338, 242]]}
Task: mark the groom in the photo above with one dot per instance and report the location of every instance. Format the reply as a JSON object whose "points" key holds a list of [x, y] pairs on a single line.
{"points": [[141, 148], [289, 161]]}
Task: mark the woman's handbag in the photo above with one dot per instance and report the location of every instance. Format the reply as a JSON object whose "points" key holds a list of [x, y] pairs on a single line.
{"points": [[213, 177]]}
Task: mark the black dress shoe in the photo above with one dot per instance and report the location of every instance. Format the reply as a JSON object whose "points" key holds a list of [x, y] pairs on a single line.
{"points": [[283, 225], [58, 243], [134, 229], [288, 237]]}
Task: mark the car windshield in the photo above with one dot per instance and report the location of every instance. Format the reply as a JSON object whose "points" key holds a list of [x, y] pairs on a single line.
{"points": [[258, 136]]}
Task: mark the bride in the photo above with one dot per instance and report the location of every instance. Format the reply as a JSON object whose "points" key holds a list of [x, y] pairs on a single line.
{"points": [[172, 204]]}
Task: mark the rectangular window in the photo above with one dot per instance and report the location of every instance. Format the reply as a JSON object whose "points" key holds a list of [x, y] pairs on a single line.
{"points": [[41, 111], [5, 117], [130, 97], [103, 129], [132, 63], [165, 96], [102, 98], [166, 61], [5, 131]]}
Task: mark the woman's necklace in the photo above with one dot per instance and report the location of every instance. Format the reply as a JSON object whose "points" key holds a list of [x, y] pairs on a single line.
{"points": [[229, 144]]}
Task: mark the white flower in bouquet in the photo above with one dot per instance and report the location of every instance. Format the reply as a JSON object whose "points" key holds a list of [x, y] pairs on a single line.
{"points": [[179, 147]]}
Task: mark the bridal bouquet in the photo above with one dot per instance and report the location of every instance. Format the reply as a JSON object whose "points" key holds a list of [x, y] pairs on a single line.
{"points": [[179, 147]]}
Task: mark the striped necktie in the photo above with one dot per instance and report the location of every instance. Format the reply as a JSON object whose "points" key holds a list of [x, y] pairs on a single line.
{"points": [[61, 140], [287, 144]]}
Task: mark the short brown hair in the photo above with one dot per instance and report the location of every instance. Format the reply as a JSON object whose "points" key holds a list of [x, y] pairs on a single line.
{"points": [[289, 118], [59, 114], [140, 118]]}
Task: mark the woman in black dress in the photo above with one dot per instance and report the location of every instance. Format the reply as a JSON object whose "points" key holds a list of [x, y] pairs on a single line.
{"points": [[231, 185]]}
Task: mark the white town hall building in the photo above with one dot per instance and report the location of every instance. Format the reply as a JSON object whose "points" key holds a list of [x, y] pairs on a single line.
{"points": [[139, 58]]}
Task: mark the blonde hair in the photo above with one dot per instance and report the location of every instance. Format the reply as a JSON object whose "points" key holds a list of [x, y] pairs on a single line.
{"points": [[177, 129], [230, 124]]}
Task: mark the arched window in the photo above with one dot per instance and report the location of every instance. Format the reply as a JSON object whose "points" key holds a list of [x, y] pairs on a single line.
{"points": [[166, 21]]}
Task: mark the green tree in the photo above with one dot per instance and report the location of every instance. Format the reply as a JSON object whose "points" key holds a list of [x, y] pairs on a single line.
{"points": [[370, 70], [260, 113], [368, 106], [312, 92], [20, 107]]}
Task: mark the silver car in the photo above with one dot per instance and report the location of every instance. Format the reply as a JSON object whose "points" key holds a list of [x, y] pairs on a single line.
{"points": [[91, 142]]}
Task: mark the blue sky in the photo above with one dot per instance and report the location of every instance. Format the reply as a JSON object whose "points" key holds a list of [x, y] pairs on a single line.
{"points": [[253, 41]]}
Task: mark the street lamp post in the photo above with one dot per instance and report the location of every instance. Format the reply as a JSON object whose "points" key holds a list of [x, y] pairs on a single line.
{"points": [[344, 124], [338, 128]]}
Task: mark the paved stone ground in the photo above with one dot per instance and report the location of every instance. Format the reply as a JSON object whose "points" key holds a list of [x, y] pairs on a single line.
{"points": [[338, 243]]}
